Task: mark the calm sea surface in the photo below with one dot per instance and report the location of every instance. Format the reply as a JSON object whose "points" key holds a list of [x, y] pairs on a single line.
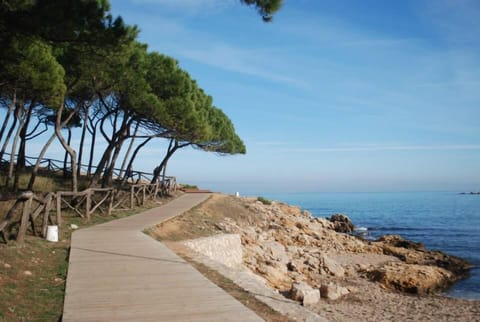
{"points": [[445, 221]]}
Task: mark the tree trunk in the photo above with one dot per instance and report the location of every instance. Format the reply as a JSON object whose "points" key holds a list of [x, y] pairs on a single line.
{"points": [[68, 148], [23, 142], [82, 140], [33, 176], [18, 114], [172, 147], [116, 137], [127, 154], [92, 150], [42, 153], [65, 158], [108, 175], [11, 107], [134, 155], [9, 135]]}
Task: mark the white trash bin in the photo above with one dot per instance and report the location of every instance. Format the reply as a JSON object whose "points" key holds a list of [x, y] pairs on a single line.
{"points": [[52, 233], [237, 194]]}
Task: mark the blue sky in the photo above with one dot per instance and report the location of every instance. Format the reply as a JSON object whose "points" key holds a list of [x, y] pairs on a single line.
{"points": [[331, 96]]}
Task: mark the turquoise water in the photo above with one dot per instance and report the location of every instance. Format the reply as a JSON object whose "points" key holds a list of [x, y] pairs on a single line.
{"points": [[445, 221]]}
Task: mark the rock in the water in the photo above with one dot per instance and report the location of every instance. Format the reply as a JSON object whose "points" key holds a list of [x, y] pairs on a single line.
{"points": [[304, 293], [332, 291], [342, 224], [398, 241]]}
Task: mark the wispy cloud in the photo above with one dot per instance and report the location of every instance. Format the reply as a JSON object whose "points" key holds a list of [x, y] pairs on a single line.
{"points": [[251, 62], [372, 148]]}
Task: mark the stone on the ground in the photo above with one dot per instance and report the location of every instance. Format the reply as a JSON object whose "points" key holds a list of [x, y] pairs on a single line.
{"points": [[305, 294], [27, 273], [332, 291], [332, 267], [73, 226]]}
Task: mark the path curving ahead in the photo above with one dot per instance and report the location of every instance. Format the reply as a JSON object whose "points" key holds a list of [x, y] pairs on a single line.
{"points": [[116, 273]]}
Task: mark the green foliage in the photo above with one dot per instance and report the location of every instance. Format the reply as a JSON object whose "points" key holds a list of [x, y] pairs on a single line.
{"points": [[264, 201], [38, 75], [266, 8], [189, 186]]}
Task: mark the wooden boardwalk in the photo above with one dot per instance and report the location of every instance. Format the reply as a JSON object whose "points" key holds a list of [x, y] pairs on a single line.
{"points": [[116, 273]]}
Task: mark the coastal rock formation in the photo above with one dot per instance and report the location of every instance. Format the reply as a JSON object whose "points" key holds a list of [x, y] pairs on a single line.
{"points": [[287, 246], [412, 278], [342, 224]]}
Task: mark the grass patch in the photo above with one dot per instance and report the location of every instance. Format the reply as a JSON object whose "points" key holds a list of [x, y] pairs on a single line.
{"points": [[189, 186], [264, 201]]}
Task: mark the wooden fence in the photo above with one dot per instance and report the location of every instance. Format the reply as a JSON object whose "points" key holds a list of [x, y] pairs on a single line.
{"points": [[84, 203]]}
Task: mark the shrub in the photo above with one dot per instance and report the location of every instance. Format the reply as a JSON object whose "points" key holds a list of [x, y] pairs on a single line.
{"points": [[264, 201]]}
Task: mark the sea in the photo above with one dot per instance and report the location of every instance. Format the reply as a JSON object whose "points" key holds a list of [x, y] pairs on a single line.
{"points": [[445, 221]]}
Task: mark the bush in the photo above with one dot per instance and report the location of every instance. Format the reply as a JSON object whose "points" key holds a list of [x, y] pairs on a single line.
{"points": [[264, 201], [189, 186]]}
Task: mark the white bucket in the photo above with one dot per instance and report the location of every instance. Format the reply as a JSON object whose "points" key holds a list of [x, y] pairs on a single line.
{"points": [[52, 233]]}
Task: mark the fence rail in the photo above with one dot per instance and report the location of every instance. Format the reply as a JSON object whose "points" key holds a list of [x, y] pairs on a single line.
{"points": [[84, 203]]}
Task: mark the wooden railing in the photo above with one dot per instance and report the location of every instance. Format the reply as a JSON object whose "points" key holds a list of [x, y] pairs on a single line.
{"points": [[135, 177], [83, 203]]}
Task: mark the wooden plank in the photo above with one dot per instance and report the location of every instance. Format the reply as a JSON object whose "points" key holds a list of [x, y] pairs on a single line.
{"points": [[140, 279], [27, 206]]}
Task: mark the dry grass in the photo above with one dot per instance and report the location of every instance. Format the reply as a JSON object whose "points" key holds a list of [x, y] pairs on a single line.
{"points": [[201, 221]]}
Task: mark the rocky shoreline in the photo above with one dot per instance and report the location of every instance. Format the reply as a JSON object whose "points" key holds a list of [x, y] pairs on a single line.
{"points": [[321, 265]]}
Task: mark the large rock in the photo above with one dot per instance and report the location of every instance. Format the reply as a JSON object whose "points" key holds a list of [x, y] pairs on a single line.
{"points": [[305, 294], [399, 241], [225, 248], [342, 224], [411, 278], [276, 276], [332, 291], [331, 267], [275, 251], [415, 253]]}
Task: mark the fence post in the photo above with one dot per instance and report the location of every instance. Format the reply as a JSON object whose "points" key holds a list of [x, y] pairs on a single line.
{"points": [[88, 204], [46, 214], [143, 194], [59, 208], [132, 196], [27, 206], [110, 204]]}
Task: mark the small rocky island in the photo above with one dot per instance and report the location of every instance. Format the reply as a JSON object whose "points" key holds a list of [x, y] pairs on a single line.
{"points": [[318, 263]]}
